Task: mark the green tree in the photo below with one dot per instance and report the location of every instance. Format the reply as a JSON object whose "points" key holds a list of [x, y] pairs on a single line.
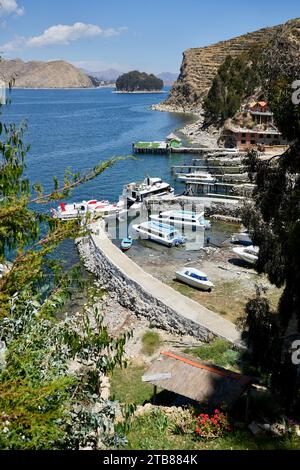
{"points": [[235, 81], [274, 222], [136, 81]]}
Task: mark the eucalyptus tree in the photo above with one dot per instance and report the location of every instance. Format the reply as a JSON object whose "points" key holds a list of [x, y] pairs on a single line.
{"points": [[274, 222]]}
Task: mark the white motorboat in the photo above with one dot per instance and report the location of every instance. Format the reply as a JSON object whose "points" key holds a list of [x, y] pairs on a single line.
{"points": [[134, 194], [183, 219], [197, 177], [248, 253], [242, 237], [93, 208], [160, 233], [194, 278]]}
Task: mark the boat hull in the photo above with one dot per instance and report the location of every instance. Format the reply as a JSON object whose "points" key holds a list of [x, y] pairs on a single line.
{"points": [[201, 285], [247, 257]]}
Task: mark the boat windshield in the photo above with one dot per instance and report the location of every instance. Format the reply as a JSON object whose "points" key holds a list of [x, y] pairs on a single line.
{"points": [[196, 276]]}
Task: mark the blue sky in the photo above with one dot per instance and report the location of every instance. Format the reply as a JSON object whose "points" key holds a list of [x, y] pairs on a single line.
{"points": [[148, 35]]}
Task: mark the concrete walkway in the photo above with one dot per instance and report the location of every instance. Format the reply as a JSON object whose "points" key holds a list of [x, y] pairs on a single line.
{"points": [[181, 304]]}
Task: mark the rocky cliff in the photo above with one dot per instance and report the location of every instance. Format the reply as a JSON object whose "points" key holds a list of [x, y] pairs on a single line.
{"points": [[200, 66], [55, 74]]}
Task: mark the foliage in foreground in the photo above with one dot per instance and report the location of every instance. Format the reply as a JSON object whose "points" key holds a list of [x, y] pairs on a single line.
{"points": [[158, 431], [50, 370]]}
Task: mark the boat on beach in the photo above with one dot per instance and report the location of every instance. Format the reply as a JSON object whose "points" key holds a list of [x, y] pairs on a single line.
{"points": [[126, 244], [194, 278], [183, 219], [242, 237], [160, 233], [93, 208], [248, 254]]}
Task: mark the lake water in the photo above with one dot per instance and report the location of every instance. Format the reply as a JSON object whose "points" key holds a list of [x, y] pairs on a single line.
{"points": [[80, 128]]}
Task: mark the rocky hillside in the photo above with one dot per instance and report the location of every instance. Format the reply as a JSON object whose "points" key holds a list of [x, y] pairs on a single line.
{"points": [[55, 74], [200, 66]]}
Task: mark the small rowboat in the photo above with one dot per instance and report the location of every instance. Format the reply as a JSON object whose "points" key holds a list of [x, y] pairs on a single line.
{"points": [[194, 278], [126, 244]]}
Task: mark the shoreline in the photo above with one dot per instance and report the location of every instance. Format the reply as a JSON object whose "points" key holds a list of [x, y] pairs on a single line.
{"points": [[140, 92], [193, 131]]}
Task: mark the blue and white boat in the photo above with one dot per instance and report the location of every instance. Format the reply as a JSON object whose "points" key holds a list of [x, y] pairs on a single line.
{"points": [[183, 219], [194, 278], [160, 233], [126, 244]]}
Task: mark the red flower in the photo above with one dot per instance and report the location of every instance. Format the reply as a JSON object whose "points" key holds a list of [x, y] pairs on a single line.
{"points": [[217, 412]]}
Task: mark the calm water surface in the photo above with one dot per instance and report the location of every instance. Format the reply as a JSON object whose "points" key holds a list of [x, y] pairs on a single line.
{"points": [[80, 128]]}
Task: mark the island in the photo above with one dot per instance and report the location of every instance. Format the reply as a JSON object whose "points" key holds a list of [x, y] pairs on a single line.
{"points": [[139, 82]]}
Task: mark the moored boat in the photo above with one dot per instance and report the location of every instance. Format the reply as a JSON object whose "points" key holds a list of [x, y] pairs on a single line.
{"points": [[93, 208], [134, 194], [248, 254], [126, 244], [160, 233], [242, 237], [183, 219], [194, 278]]}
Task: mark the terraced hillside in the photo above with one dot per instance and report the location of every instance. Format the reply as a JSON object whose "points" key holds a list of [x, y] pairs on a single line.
{"points": [[200, 66]]}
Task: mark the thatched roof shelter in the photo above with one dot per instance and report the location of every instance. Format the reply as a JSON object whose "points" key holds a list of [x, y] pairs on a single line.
{"points": [[173, 137], [197, 380]]}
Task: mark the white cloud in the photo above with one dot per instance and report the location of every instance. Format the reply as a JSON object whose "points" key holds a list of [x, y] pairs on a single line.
{"points": [[64, 34], [60, 34], [13, 45], [9, 7]]}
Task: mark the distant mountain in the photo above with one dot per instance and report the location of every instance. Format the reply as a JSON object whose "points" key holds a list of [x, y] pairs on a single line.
{"points": [[168, 77], [110, 75], [55, 74]]}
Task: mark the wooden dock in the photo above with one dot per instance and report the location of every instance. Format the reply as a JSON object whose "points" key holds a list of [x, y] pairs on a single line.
{"points": [[215, 170], [163, 148]]}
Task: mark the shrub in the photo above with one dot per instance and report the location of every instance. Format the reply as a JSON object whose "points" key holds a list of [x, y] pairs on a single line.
{"points": [[211, 427]]}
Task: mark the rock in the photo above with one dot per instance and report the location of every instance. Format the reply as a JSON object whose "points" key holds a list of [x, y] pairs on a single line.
{"points": [[200, 66], [278, 430]]}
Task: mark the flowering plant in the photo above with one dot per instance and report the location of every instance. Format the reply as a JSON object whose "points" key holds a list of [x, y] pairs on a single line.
{"points": [[212, 426]]}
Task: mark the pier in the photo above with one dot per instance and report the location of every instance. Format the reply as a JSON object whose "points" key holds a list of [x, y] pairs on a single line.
{"points": [[163, 148], [147, 296], [215, 170]]}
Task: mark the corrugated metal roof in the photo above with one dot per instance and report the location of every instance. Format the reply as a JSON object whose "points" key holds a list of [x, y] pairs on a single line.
{"points": [[197, 380]]}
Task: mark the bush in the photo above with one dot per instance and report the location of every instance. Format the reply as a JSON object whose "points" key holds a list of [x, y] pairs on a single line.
{"points": [[219, 352], [151, 342]]}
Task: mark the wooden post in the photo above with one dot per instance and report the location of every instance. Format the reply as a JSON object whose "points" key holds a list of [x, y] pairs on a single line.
{"points": [[247, 411], [154, 394]]}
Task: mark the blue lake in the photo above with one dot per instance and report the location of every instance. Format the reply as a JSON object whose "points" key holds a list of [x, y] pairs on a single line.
{"points": [[80, 128]]}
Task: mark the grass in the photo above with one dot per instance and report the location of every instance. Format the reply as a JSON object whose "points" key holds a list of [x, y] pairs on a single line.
{"points": [[219, 352], [127, 386], [151, 341], [228, 298], [151, 432]]}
